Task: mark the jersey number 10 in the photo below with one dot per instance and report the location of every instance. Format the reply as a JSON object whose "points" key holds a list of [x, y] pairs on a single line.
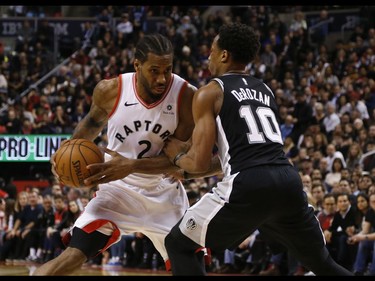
{"points": [[270, 127]]}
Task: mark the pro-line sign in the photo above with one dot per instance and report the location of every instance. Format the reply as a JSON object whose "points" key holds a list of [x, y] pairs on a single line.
{"points": [[29, 148]]}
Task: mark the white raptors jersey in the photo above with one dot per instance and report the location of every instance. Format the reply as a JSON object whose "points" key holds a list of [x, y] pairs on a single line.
{"points": [[137, 129]]}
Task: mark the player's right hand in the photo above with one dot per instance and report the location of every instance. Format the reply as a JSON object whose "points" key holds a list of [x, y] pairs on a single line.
{"points": [[118, 167]]}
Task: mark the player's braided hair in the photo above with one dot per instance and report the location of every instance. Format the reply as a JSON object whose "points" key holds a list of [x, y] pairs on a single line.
{"points": [[153, 43], [240, 40]]}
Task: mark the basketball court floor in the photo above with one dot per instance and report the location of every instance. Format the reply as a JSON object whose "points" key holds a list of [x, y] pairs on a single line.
{"points": [[26, 270]]}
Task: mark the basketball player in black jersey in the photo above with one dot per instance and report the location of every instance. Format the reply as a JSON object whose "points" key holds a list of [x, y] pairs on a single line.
{"points": [[260, 189]]}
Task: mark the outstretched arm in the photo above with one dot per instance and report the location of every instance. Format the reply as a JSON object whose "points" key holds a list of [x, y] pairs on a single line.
{"points": [[197, 160]]}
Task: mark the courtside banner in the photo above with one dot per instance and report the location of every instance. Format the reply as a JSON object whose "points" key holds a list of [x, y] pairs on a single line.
{"points": [[29, 148]]}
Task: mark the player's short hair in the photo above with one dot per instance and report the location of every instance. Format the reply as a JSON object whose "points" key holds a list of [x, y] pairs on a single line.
{"points": [[240, 40], [156, 43]]}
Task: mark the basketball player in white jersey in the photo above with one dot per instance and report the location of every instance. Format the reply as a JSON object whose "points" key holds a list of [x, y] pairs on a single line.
{"points": [[141, 109]]}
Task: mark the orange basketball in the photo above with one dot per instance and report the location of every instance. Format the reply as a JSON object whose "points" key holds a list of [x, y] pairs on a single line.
{"points": [[72, 158]]}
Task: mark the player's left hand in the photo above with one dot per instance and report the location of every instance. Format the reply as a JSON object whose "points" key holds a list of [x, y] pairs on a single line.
{"points": [[117, 168]]}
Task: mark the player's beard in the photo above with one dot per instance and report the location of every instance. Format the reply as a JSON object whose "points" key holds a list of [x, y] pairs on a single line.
{"points": [[148, 90]]}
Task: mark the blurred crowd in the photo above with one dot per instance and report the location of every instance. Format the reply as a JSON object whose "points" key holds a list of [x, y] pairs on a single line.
{"points": [[326, 98]]}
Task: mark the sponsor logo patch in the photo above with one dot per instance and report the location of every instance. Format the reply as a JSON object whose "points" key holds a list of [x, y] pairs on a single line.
{"points": [[191, 224]]}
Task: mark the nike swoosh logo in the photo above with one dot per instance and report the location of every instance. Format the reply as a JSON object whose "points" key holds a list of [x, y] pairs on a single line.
{"points": [[130, 104]]}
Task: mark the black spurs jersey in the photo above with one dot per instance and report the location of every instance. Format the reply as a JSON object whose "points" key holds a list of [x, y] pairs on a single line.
{"points": [[248, 129]]}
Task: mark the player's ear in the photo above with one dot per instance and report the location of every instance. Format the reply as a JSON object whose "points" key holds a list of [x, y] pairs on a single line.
{"points": [[225, 56], [137, 64]]}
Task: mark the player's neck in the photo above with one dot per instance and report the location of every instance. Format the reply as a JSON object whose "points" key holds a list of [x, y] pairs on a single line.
{"points": [[237, 71]]}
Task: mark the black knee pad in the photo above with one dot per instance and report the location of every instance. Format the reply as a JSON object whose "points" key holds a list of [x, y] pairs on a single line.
{"points": [[176, 239], [91, 244]]}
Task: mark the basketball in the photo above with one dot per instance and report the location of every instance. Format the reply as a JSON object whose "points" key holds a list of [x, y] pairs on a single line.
{"points": [[72, 158]]}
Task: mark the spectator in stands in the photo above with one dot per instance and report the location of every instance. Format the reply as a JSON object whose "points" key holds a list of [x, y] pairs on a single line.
{"points": [[298, 22], [321, 27], [117, 253], [317, 192], [331, 120], [12, 122], [74, 194], [186, 60], [125, 27], [43, 123], [7, 242], [325, 216], [302, 115], [45, 34], [45, 219], [268, 57], [3, 81], [24, 226], [342, 227], [318, 116], [320, 142], [364, 182], [333, 177], [138, 16], [98, 52], [62, 224], [362, 206], [186, 26], [8, 187], [230, 265], [277, 29], [331, 154], [344, 186], [62, 121], [104, 20], [52, 242], [365, 239], [2, 219], [371, 132], [353, 156]]}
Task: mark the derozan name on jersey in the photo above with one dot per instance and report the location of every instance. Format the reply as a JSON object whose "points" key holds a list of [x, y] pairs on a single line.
{"points": [[251, 94]]}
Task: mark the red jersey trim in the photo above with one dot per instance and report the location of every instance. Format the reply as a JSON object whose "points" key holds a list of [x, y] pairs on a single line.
{"points": [[183, 88], [118, 96], [148, 106]]}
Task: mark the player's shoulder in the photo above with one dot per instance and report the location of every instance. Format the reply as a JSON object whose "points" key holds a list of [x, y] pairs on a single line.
{"points": [[105, 87], [190, 87], [177, 77], [105, 84]]}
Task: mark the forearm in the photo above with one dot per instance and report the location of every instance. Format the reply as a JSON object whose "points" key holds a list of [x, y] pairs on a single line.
{"points": [[215, 169], [154, 165], [16, 225], [29, 225], [367, 236], [87, 129]]}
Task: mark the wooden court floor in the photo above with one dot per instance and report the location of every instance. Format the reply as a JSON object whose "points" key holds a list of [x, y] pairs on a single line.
{"points": [[27, 269]]}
